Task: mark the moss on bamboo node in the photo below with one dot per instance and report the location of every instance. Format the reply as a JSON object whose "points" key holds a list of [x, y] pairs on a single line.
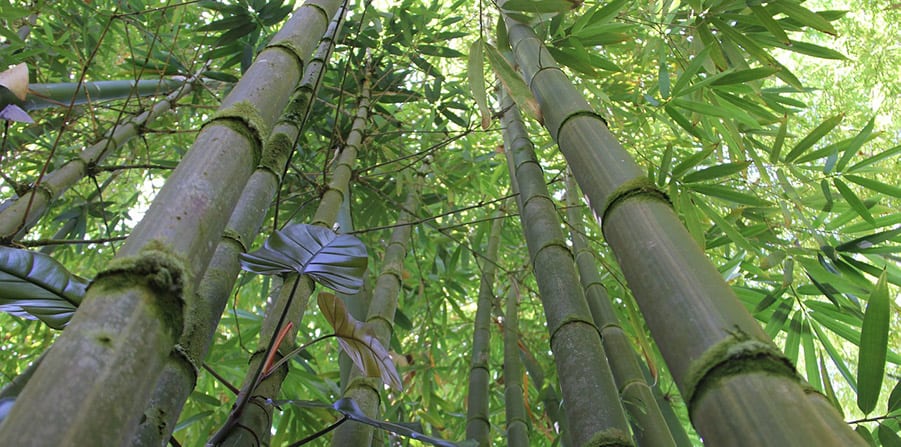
{"points": [[611, 437], [252, 125], [187, 359], [580, 113], [572, 319], [641, 188], [736, 355], [289, 47], [235, 236], [372, 383], [159, 270], [275, 154]]}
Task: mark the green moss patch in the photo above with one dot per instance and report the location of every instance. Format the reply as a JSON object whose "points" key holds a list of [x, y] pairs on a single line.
{"points": [[640, 188]]}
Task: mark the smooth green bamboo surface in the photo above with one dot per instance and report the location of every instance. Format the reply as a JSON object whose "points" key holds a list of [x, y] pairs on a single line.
{"points": [[478, 425], [648, 424], [739, 387], [515, 407], [62, 94], [180, 373], [21, 215], [380, 318], [589, 393]]}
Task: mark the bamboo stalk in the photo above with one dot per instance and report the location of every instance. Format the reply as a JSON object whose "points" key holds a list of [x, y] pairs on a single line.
{"points": [[478, 425], [592, 400], [515, 407], [739, 387], [96, 381]]}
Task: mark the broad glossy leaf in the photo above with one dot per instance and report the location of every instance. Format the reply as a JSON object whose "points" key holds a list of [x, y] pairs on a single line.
{"points": [[815, 135], [864, 433], [888, 436], [475, 69], [873, 346], [366, 352], [894, 399], [853, 201], [36, 286], [336, 261]]}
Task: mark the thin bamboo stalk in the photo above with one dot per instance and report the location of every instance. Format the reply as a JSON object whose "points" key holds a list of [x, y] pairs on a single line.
{"points": [[515, 406], [380, 318], [478, 425], [255, 420], [21, 215], [739, 387], [592, 400], [96, 381]]}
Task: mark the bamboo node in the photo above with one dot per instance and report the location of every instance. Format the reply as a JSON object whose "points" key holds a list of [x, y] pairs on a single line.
{"points": [[640, 187]]}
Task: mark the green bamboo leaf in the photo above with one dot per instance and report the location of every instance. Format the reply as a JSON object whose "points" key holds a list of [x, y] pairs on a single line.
{"points": [[811, 362], [793, 338], [771, 25], [777, 320], [714, 172], [727, 227], [894, 399], [855, 145], [853, 201], [779, 140], [665, 163], [438, 50], [803, 15], [514, 84], [828, 389], [865, 242], [336, 261], [690, 70], [683, 122], [827, 193], [864, 433], [743, 76], [837, 359], [876, 158], [538, 6], [691, 161], [363, 348], [888, 436], [873, 346], [475, 69], [37, 287], [814, 136], [874, 185]]}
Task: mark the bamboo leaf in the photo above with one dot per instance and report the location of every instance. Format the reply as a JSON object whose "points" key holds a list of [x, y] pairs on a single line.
{"points": [[894, 399], [874, 185], [715, 172], [363, 348], [876, 158], [827, 194], [538, 6], [779, 140], [873, 346], [727, 227], [37, 287], [514, 83], [834, 355], [865, 242], [336, 261], [815, 135], [696, 63], [888, 436], [803, 15], [771, 25], [475, 69], [853, 201], [855, 145], [743, 76], [811, 362]]}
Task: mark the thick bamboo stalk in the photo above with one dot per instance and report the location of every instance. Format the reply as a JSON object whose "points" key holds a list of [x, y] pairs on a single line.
{"points": [[739, 387], [21, 215], [380, 319], [515, 406], [180, 373], [96, 381], [255, 420], [590, 395], [648, 424], [478, 425]]}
